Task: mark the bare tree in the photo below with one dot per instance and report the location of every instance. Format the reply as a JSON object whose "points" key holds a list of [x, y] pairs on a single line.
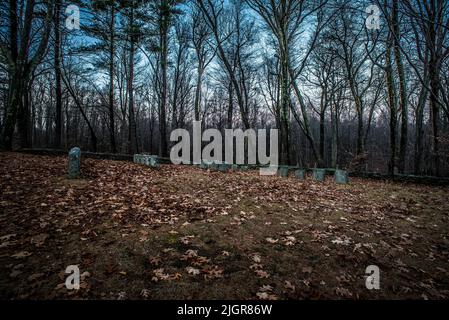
{"points": [[212, 12], [28, 27], [201, 37]]}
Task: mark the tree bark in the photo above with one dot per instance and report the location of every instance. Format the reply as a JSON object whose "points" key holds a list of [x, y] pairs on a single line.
{"points": [[58, 87], [111, 80], [392, 107], [132, 134], [419, 129], [20, 67], [402, 89], [230, 110], [164, 24]]}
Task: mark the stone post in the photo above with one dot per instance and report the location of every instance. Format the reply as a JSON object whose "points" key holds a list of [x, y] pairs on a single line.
{"points": [[74, 163], [318, 174], [283, 171], [300, 174], [341, 176]]}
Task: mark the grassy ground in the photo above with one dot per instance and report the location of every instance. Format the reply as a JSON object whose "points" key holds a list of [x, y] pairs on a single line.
{"points": [[184, 233]]}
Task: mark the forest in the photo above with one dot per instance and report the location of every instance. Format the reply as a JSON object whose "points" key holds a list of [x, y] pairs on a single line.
{"points": [[362, 85]]}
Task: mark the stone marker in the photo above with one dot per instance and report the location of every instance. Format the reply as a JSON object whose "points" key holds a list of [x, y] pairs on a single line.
{"points": [[145, 159], [283, 171], [153, 162], [74, 163], [319, 174], [214, 166], [223, 167], [206, 164], [341, 176], [300, 174]]}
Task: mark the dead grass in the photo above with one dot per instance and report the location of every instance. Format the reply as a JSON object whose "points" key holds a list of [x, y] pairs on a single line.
{"points": [[250, 235]]}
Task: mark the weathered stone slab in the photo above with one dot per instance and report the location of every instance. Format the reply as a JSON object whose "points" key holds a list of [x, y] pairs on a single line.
{"points": [[318, 174], [206, 164], [283, 172], [137, 158], [215, 165], [223, 167], [300, 174], [74, 163], [153, 162], [145, 159], [341, 176]]}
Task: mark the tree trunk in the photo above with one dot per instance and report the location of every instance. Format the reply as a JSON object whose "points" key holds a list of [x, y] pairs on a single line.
{"points": [[360, 135], [21, 64], [23, 119], [419, 129], [58, 88], [392, 107], [402, 90], [322, 117], [285, 103], [132, 136], [304, 125], [199, 84], [212, 22], [163, 106], [434, 114], [230, 107], [78, 103], [14, 93], [334, 118], [111, 80]]}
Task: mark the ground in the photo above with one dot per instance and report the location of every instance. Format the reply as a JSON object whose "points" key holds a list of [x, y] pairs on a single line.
{"points": [[180, 232]]}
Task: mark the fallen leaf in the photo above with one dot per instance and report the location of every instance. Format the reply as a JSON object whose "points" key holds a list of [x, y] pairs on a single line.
{"points": [[307, 269], [262, 274], [271, 240], [39, 240], [35, 276], [192, 271], [22, 254], [288, 285], [256, 258], [154, 260]]}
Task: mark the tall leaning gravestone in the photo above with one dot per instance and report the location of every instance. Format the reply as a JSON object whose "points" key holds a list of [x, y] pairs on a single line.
{"points": [[74, 163]]}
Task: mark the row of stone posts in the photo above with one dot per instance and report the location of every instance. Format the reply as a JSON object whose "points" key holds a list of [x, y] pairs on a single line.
{"points": [[148, 160], [340, 176]]}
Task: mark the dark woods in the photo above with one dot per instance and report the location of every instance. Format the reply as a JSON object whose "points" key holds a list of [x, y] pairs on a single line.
{"points": [[355, 84]]}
